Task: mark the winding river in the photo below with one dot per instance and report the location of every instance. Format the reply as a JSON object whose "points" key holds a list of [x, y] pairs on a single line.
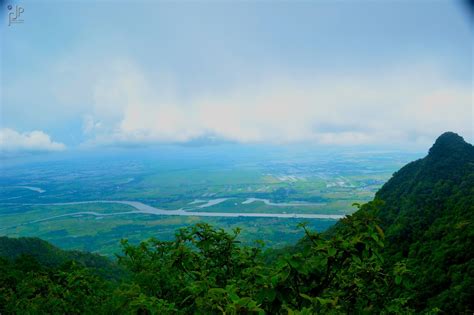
{"points": [[141, 208]]}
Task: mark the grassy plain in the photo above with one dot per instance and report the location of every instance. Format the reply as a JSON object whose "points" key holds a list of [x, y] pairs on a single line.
{"points": [[177, 179]]}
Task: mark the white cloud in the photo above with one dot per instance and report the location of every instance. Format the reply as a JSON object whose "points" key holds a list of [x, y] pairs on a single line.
{"points": [[13, 141], [90, 125], [410, 105]]}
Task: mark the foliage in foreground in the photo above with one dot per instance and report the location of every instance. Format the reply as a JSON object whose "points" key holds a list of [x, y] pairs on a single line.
{"points": [[205, 271]]}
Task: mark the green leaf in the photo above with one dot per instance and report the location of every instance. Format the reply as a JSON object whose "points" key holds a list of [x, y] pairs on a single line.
{"points": [[398, 279], [307, 297], [380, 231]]}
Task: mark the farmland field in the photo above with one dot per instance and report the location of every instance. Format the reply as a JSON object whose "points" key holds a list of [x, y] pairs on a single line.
{"points": [[40, 198]]}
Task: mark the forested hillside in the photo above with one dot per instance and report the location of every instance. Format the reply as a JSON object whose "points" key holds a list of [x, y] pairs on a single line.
{"points": [[408, 251], [47, 255], [428, 218]]}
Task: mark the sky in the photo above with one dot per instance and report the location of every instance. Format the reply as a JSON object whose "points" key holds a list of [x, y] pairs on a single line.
{"points": [[100, 74]]}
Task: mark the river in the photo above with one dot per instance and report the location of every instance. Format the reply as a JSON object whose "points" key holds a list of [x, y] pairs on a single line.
{"points": [[146, 209]]}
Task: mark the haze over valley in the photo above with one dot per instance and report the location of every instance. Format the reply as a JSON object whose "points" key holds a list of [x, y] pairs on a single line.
{"points": [[92, 201]]}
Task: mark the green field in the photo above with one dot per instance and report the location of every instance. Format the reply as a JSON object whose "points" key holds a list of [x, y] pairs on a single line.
{"points": [[318, 184]]}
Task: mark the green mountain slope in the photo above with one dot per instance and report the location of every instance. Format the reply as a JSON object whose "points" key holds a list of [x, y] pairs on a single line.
{"points": [[428, 218], [50, 256]]}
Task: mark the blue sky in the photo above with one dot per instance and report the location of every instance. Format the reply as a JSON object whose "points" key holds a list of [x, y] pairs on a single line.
{"points": [[84, 74]]}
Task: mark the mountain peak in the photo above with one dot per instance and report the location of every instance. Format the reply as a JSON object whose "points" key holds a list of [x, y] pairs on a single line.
{"points": [[448, 143], [450, 136]]}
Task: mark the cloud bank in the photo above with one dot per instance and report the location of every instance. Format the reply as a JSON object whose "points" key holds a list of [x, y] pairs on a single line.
{"points": [[34, 141], [407, 105]]}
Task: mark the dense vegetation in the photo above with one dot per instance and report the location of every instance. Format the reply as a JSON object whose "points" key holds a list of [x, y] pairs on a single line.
{"points": [[206, 271], [422, 263], [428, 217], [50, 256]]}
